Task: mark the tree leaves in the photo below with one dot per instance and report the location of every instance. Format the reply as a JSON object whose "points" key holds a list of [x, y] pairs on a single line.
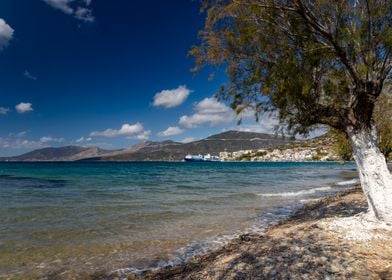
{"points": [[316, 62]]}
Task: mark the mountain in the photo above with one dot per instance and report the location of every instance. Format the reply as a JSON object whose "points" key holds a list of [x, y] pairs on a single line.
{"points": [[229, 141], [68, 153], [168, 150]]}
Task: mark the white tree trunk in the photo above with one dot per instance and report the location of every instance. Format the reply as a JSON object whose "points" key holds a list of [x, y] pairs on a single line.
{"points": [[376, 180]]}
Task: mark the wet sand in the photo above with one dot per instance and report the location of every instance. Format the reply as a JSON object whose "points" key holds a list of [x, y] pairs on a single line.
{"points": [[301, 247]]}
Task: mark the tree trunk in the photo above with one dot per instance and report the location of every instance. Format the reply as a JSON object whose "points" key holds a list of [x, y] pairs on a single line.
{"points": [[376, 180]]}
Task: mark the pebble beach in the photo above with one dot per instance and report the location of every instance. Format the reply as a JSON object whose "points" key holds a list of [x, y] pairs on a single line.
{"points": [[305, 246]]}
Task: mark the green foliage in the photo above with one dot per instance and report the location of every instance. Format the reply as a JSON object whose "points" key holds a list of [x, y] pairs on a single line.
{"points": [[316, 158], [244, 157], [260, 154], [342, 146], [383, 121], [319, 155], [249, 156], [315, 62]]}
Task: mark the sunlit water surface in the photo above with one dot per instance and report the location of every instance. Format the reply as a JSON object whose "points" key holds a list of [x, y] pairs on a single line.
{"points": [[73, 219]]}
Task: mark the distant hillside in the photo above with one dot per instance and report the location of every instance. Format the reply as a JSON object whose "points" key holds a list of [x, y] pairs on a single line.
{"points": [[227, 141], [159, 151], [68, 153]]}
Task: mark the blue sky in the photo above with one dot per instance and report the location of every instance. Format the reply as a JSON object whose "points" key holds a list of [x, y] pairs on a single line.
{"points": [[106, 73]]}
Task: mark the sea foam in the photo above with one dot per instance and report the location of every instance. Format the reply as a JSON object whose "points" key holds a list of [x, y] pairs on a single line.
{"points": [[298, 193], [348, 182]]}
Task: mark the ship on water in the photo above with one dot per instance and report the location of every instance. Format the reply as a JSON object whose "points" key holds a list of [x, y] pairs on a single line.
{"points": [[201, 158]]}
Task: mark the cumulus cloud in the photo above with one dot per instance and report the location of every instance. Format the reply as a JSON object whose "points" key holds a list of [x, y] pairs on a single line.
{"points": [[76, 8], [6, 34], [4, 111], [171, 131], [134, 131], [29, 76], [84, 139], [266, 124], [24, 107], [172, 97], [210, 111], [142, 136]]}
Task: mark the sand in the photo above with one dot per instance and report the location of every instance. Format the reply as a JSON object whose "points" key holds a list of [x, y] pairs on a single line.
{"points": [[323, 240]]}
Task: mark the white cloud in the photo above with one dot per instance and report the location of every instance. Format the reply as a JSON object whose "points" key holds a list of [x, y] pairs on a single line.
{"points": [[24, 107], [134, 131], [210, 111], [188, 140], [266, 124], [19, 134], [63, 5], [19, 144], [29, 76], [84, 14], [171, 131], [4, 111], [211, 106], [142, 136], [171, 98], [19, 141], [77, 8], [84, 139], [47, 139], [6, 34]]}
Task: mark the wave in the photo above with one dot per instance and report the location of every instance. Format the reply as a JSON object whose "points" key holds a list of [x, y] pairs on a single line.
{"points": [[298, 193], [348, 182]]}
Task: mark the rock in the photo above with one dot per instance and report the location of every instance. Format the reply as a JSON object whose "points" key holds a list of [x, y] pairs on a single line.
{"points": [[324, 259], [333, 269], [269, 260], [268, 269], [299, 265]]}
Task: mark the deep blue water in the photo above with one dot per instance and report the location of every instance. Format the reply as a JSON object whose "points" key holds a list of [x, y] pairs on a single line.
{"points": [[72, 218]]}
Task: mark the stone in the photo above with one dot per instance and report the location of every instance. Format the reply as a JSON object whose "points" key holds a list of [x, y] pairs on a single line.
{"points": [[333, 269]]}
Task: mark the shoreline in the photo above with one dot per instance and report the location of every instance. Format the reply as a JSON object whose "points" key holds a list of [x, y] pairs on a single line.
{"points": [[66, 264], [300, 246]]}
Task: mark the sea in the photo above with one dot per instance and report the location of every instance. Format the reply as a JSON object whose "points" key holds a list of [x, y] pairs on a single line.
{"points": [[73, 220]]}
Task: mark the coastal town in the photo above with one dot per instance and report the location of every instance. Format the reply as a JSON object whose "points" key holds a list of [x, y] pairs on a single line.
{"points": [[295, 154], [316, 149]]}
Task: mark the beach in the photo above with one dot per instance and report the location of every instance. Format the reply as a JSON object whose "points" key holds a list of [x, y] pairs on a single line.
{"points": [[304, 246]]}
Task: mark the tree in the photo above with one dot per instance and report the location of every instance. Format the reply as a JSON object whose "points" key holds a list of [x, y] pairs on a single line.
{"points": [[383, 121], [342, 147], [316, 62]]}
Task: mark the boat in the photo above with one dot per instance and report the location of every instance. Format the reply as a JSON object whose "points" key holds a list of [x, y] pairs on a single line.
{"points": [[201, 158]]}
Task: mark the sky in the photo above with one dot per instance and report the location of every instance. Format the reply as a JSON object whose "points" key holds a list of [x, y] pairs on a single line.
{"points": [[106, 73]]}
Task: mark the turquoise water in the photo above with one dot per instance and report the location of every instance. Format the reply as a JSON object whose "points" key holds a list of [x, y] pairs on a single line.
{"points": [[67, 220]]}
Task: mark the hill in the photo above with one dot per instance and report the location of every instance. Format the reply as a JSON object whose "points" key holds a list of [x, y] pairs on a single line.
{"points": [[229, 141], [172, 151], [68, 153]]}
